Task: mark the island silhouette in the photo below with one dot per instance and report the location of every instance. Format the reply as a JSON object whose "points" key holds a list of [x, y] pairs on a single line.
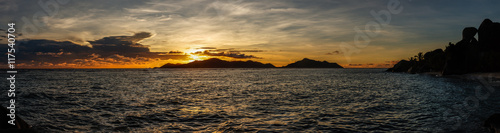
{"points": [[218, 63], [308, 63], [466, 56]]}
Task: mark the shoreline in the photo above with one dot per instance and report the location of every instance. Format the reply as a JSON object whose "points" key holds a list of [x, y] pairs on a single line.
{"points": [[490, 76]]}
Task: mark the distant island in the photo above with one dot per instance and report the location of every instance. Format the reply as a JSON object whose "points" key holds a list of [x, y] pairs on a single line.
{"points": [[218, 63], [466, 56], [308, 63]]}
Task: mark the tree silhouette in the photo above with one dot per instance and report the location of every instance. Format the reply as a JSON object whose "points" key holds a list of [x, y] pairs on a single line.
{"points": [[467, 55]]}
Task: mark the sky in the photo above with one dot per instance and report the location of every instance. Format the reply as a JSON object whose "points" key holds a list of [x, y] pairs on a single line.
{"points": [[150, 33]]}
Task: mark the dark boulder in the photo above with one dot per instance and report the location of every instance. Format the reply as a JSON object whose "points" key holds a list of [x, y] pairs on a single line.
{"points": [[401, 66], [468, 35], [493, 123], [466, 56], [435, 59], [20, 125], [489, 34]]}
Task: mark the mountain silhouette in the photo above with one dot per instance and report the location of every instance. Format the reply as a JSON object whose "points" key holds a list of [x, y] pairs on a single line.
{"points": [[308, 63], [218, 63]]}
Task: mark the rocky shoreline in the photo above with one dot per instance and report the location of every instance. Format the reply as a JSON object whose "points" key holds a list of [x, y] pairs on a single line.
{"points": [[470, 55]]}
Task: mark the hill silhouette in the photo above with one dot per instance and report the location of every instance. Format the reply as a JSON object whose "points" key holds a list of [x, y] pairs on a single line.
{"points": [[308, 63], [466, 56], [218, 63]]}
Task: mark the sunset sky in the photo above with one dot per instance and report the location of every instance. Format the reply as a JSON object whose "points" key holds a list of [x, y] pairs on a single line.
{"points": [[150, 33]]}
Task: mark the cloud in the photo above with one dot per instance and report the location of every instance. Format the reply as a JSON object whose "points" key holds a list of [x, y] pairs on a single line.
{"points": [[289, 10], [232, 53], [50, 51], [207, 48], [334, 53], [246, 50], [54, 54], [355, 64], [8, 5], [130, 40], [176, 52], [5, 34], [124, 45], [144, 10], [96, 60], [113, 50], [301, 28]]}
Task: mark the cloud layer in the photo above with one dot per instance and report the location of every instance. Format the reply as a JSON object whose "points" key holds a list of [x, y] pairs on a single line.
{"points": [[286, 30], [113, 51], [232, 53]]}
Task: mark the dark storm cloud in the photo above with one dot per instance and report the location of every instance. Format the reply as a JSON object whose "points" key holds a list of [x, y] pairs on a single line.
{"points": [[175, 52], [124, 45], [5, 33], [105, 49], [49, 51]]}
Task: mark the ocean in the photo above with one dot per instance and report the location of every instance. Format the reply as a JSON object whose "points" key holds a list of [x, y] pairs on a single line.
{"points": [[249, 100]]}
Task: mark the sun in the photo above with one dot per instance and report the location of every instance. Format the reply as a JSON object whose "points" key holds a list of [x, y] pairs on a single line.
{"points": [[192, 51], [194, 58], [197, 57]]}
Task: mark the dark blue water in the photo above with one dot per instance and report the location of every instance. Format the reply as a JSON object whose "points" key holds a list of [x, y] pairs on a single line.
{"points": [[249, 100]]}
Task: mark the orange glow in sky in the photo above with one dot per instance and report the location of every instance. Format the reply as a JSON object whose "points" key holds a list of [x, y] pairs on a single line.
{"points": [[146, 34]]}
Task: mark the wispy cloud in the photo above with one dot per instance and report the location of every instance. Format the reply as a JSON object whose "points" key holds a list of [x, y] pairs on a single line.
{"points": [[296, 28], [231, 53]]}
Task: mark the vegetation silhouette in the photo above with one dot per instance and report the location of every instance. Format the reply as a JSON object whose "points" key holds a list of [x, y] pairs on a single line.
{"points": [[466, 56]]}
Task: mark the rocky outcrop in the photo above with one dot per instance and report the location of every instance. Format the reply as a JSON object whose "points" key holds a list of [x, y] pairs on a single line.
{"points": [[308, 63], [468, 35], [493, 123], [20, 125], [466, 56], [489, 34], [462, 57], [401, 66]]}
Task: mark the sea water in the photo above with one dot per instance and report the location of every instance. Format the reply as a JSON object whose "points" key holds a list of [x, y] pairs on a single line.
{"points": [[248, 100]]}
